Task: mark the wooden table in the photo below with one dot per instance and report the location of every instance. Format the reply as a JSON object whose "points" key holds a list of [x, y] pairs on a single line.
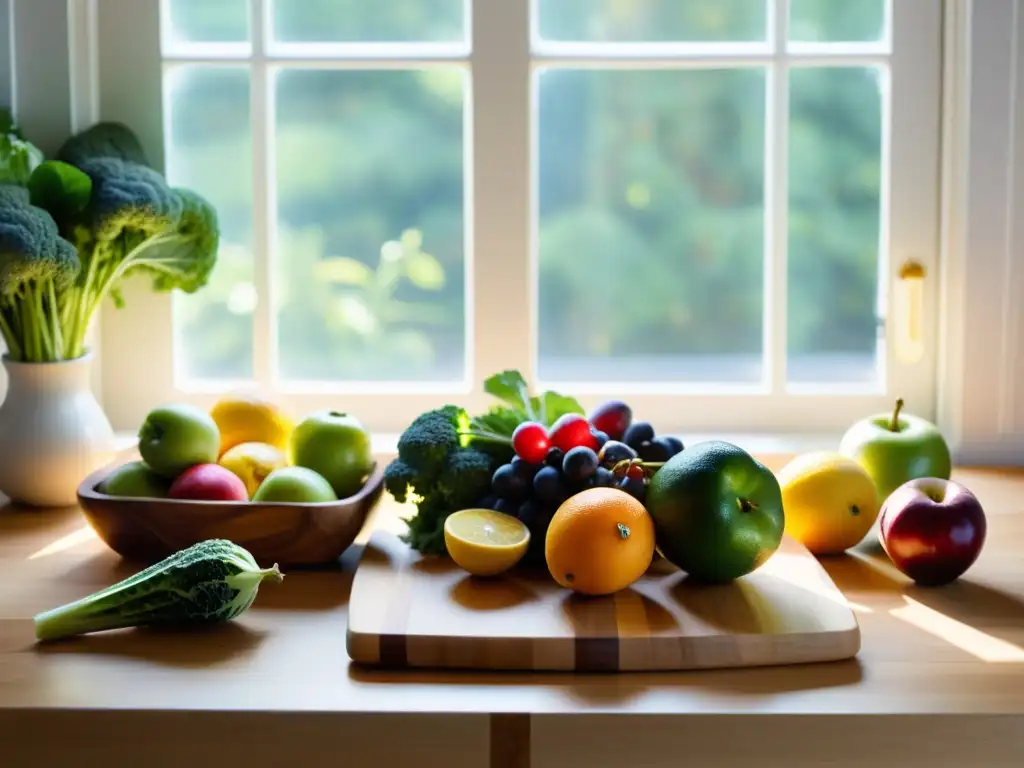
{"points": [[939, 681]]}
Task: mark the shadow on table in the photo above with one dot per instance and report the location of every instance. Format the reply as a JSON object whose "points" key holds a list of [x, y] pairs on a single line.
{"points": [[965, 612], [184, 647], [312, 588], [611, 688]]}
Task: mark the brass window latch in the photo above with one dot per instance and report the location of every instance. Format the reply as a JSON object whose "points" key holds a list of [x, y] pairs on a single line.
{"points": [[908, 312]]}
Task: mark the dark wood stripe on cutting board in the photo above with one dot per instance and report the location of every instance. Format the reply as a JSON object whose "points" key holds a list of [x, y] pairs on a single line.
{"points": [[510, 741], [597, 638], [394, 645], [392, 651]]}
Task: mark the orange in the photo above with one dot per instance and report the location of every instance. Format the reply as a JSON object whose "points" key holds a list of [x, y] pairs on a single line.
{"points": [[599, 541], [829, 501]]}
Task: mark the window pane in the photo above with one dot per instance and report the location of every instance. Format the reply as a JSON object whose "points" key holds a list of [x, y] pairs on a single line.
{"points": [[209, 21], [364, 21], [651, 225], [370, 245], [651, 20], [834, 213], [209, 150], [829, 21]]}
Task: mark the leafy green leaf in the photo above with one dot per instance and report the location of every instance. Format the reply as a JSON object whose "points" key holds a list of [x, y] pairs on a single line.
{"points": [[511, 388], [551, 406], [342, 270], [18, 156], [424, 271], [498, 421], [59, 188]]}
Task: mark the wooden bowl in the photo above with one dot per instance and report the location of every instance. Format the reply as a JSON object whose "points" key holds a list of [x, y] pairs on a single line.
{"points": [[148, 530]]}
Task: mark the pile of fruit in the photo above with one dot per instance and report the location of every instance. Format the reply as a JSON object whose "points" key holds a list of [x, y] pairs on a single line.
{"points": [[591, 496], [595, 497], [577, 453], [245, 449], [893, 468]]}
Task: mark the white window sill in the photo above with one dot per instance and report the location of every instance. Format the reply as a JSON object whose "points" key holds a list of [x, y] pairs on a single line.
{"points": [[770, 448]]}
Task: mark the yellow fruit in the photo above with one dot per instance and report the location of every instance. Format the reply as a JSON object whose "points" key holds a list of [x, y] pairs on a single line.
{"points": [[484, 542], [599, 541], [251, 419], [829, 501], [253, 462]]}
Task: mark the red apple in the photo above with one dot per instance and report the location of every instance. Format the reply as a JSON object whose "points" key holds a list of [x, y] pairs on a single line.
{"points": [[209, 482], [933, 529]]}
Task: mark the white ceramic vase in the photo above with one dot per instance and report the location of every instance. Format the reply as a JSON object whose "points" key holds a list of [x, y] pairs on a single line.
{"points": [[53, 432]]}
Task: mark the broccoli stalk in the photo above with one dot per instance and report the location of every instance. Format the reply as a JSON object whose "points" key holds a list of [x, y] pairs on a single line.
{"points": [[37, 268], [209, 582]]}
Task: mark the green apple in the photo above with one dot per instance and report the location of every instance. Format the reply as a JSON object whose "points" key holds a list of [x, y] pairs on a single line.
{"points": [[894, 448], [176, 437], [295, 485], [717, 511], [135, 479], [336, 446]]}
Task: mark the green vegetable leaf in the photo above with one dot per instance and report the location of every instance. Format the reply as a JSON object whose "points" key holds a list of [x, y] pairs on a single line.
{"points": [[511, 388], [59, 188], [498, 421], [424, 271], [552, 406], [18, 156], [342, 270]]}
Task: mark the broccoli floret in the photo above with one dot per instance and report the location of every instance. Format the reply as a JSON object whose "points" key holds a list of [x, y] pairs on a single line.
{"points": [[426, 443], [109, 139], [438, 472], [398, 478], [184, 258], [129, 198], [466, 478], [36, 266]]}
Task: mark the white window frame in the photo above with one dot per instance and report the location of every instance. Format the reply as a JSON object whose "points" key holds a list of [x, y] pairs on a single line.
{"points": [[116, 75]]}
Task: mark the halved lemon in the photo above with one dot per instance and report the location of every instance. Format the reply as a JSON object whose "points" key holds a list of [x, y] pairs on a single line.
{"points": [[484, 542]]}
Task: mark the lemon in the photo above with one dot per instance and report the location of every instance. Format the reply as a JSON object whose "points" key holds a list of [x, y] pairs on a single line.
{"points": [[246, 418], [829, 501], [253, 463], [484, 542]]}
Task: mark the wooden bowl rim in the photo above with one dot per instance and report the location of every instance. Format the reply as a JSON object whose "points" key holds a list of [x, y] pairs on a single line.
{"points": [[87, 492]]}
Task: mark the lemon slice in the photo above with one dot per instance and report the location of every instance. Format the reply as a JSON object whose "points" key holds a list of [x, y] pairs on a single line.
{"points": [[484, 542]]}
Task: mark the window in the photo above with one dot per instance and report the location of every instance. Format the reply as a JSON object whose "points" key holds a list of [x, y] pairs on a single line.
{"points": [[698, 206]]}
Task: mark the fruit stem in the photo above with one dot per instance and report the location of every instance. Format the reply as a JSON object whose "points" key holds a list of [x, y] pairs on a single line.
{"points": [[623, 530], [622, 466], [894, 422], [746, 505]]}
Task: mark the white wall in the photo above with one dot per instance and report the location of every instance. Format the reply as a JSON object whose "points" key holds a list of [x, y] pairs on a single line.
{"points": [[981, 385]]}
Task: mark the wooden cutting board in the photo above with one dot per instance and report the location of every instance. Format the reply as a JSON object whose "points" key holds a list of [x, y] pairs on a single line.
{"points": [[410, 611]]}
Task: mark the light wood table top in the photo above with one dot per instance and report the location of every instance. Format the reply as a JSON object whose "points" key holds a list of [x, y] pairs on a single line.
{"points": [[956, 650]]}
